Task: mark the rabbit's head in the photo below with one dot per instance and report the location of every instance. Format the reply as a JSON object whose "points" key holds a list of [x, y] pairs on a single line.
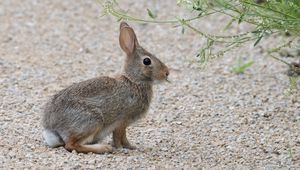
{"points": [[140, 65]]}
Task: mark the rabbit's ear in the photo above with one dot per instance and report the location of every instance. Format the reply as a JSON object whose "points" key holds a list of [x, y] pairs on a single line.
{"points": [[127, 39]]}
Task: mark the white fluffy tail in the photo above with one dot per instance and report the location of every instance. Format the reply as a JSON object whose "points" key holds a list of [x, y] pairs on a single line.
{"points": [[52, 138]]}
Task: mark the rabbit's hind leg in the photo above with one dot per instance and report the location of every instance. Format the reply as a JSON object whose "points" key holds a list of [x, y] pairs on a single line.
{"points": [[95, 148], [80, 145]]}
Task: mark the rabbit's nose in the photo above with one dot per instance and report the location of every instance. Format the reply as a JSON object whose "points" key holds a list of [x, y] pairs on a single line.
{"points": [[167, 73]]}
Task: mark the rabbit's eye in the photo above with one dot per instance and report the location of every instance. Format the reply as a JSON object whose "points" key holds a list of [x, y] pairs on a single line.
{"points": [[147, 61]]}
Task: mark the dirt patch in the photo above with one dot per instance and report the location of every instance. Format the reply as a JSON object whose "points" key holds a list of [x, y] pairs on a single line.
{"points": [[204, 118]]}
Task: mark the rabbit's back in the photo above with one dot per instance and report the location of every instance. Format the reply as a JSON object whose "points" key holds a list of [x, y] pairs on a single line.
{"points": [[97, 102]]}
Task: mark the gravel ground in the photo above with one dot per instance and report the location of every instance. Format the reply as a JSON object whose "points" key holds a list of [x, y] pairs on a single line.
{"points": [[206, 118]]}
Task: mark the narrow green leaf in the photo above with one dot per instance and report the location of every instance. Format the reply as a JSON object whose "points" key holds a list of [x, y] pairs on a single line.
{"points": [[241, 18], [229, 24], [115, 2], [241, 68], [247, 65], [119, 19], [151, 15], [258, 40], [256, 31], [200, 14]]}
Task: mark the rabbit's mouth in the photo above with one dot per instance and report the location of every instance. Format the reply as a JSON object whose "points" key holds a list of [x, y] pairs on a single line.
{"points": [[168, 81], [161, 81]]}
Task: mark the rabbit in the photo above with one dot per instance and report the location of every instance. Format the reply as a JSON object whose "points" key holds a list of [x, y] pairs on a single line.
{"points": [[79, 116]]}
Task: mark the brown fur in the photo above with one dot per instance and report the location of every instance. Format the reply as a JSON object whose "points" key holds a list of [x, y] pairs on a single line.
{"points": [[84, 113]]}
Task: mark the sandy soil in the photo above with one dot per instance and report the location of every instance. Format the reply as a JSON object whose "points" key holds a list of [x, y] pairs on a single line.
{"points": [[206, 118]]}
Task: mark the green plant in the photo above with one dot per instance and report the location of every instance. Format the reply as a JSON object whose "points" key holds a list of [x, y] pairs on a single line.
{"points": [[292, 85], [242, 66], [290, 152], [268, 18]]}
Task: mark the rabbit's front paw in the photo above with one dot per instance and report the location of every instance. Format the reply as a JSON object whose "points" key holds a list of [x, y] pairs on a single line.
{"points": [[128, 146], [123, 144]]}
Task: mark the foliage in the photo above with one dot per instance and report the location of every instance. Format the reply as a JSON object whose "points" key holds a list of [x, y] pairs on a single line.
{"points": [[292, 85], [241, 66], [268, 17]]}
